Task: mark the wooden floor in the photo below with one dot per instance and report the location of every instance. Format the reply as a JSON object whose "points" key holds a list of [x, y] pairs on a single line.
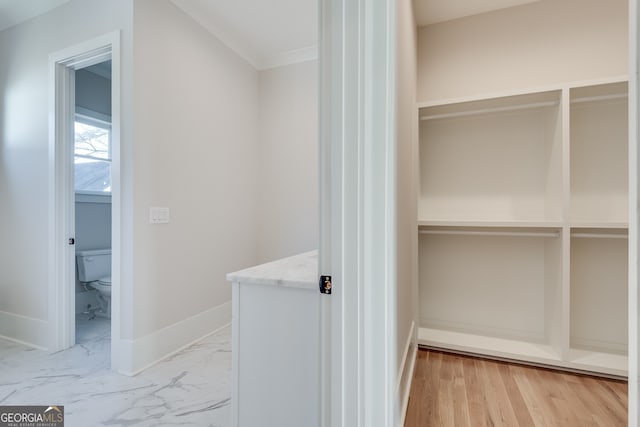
{"points": [[454, 390]]}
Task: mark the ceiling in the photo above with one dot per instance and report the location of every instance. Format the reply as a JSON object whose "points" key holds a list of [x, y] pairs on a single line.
{"points": [[267, 33], [13, 12], [276, 32], [433, 11], [260, 31]]}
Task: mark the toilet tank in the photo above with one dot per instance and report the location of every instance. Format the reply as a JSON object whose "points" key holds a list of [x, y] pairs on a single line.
{"points": [[93, 264]]}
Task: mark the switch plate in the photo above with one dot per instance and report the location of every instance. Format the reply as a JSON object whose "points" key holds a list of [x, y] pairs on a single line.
{"points": [[158, 215]]}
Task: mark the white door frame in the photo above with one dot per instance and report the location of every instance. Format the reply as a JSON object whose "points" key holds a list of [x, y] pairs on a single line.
{"points": [[634, 214], [62, 66], [357, 210]]}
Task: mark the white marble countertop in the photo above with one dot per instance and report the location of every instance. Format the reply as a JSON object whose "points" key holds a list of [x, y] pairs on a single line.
{"points": [[298, 271]]}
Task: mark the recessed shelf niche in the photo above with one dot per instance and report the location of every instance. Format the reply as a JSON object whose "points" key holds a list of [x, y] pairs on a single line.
{"points": [[599, 294], [523, 223], [492, 160], [488, 281], [599, 154]]}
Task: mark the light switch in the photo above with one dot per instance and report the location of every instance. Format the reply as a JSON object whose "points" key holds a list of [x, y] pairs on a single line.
{"points": [[158, 215]]}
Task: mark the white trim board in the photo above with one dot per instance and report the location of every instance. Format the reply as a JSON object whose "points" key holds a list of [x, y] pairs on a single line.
{"points": [[357, 213], [523, 351], [93, 198], [151, 349], [405, 376], [24, 330], [93, 114], [291, 57], [634, 252]]}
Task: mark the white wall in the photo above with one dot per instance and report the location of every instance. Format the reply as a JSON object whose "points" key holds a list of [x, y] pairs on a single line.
{"points": [[194, 148], [407, 194], [537, 44], [287, 182], [24, 151], [195, 151]]}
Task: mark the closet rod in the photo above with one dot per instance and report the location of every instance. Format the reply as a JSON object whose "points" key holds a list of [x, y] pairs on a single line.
{"points": [[490, 110], [599, 98], [492, 233], [599, 235]]}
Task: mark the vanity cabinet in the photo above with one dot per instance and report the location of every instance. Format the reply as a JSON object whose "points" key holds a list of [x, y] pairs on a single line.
{"points": [[276, 344]]}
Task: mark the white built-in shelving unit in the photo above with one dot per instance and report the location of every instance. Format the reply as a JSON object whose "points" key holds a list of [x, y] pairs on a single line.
{"points": [[523, 226]]}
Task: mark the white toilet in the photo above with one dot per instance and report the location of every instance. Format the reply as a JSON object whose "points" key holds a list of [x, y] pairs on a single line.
{"points": [[94, 271]]}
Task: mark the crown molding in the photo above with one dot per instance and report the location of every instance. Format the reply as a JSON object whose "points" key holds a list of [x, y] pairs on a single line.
{"points": [[241, 47], [309, 53]]}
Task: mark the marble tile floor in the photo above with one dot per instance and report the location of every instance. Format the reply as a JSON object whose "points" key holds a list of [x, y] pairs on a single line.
{"points": [[191, 388]]}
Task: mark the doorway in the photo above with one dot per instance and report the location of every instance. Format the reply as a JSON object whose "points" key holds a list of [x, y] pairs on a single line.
{"points": [[92, 157], [98, 56]]}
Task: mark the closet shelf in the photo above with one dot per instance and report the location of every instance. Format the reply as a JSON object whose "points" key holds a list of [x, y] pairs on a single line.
{"points": [[496, 224], [607, 225], [599, 98], [546, 173], [537, 353], [599, 235], [490, 110], [490, 346], [493, 233]]}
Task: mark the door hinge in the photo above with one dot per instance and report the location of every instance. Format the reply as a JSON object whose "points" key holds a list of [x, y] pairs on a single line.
{"points": [[72, 241], [325, 285]]}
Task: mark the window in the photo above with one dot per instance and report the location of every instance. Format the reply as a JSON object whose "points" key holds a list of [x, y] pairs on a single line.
{"points": [[92, 155]]}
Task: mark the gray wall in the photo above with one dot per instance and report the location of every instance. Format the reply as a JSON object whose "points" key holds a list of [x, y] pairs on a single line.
{"points": [[93, 92], [93, 225]]}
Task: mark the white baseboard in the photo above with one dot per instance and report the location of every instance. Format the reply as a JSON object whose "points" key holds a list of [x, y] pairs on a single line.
{"points": [[474, 328], [599, 345], [24, 330], [151, 349], [405, 376]]}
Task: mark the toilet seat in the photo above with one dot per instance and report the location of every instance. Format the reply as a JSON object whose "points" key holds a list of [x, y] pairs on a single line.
{"points": [[103, 286], [105, 281]]}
